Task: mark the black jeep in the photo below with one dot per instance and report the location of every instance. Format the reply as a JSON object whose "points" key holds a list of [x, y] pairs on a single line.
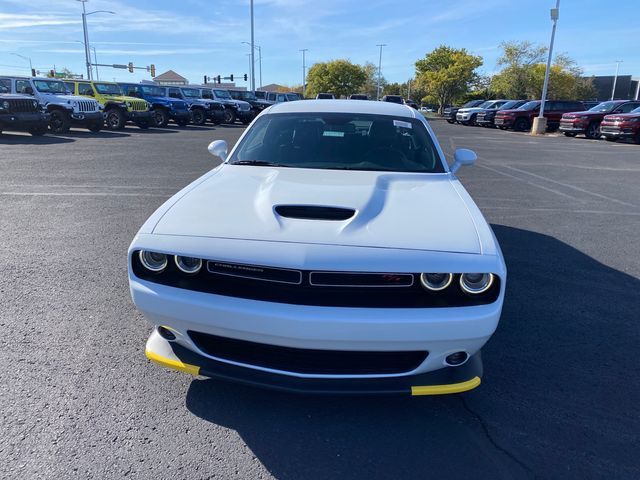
{"points": [[21, 113]]}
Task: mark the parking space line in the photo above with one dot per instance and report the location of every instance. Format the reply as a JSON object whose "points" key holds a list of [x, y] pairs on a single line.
{"points": [[573, 187], [84, 194], [560, 210]]}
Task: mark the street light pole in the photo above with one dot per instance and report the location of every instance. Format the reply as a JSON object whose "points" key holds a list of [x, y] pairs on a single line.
{"points": [[304, 71], [26, 58], [260, 63], [615, 79], [86, 39], [540, 122], [379, 70], [253, 74], [95, 59]]}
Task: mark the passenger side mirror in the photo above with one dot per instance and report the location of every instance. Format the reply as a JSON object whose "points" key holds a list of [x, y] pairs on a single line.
{"points": [[218, 148], [463, 157]]}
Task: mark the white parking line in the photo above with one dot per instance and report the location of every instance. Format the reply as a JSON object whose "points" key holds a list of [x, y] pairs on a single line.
{"points": [[84, 194], [519, 209]]}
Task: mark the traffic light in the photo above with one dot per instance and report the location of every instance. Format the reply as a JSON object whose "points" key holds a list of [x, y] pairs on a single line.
{"points": [[231, 77], [218, 79], [131, 67], [52, 73], [153, 70], [245, 77], [33, 72], [205, 80]]}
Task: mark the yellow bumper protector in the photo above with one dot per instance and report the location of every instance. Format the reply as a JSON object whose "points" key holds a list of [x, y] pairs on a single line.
{"points": [[446, 389], [171, 363]]}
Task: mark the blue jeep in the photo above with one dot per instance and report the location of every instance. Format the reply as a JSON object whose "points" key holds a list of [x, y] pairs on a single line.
{"points": [[164, 108], [201, 109]]}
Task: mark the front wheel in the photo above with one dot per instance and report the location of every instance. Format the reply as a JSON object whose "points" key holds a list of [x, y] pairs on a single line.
{"points": [[637, 137], [451, 121], [115, 119], [161, 117], [593, 131], [199, 117], [39, 130], [229, 116], [59, 121], [521, 124]]}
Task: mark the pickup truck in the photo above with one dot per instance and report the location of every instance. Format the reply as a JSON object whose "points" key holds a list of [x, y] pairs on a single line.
{"points": [[233, 109], [486, 118], [201, 109], [164, 108], [21, 113], [588, 122], [118, 108], [521, 119], [65, 110], [621, 125], [257, 104]]}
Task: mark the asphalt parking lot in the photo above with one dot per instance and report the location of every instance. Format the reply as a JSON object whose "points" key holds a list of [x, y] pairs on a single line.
{"points": [[559, 398]]}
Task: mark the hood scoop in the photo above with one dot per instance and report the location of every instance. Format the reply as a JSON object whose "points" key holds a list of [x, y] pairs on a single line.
{"points": [[315, 212]]}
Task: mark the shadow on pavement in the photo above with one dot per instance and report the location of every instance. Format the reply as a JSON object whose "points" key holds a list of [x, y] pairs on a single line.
{"points": [[556, 399], [88, 134], [10, 138]]}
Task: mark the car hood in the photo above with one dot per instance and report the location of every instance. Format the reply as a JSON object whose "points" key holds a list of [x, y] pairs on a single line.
{"points": [[621, 116], [583, 114], [170, 100], [392, 210], [514, 110], [471, 110]]}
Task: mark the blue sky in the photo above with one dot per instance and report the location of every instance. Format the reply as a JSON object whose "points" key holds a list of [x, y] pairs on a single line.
{"points": [[197, 37]]}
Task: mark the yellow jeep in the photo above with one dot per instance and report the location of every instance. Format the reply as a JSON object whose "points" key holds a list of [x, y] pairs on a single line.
{"points": [[118, 108]]}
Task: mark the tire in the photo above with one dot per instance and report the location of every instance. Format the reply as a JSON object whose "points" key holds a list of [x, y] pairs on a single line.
{"points": [[472, 120], [39, 131], [521, 124], [115, 119], [182, 122], [199, 117], [569, 134], [229, 116], [451, 121], [95, 127], [161, 117], [593, 131], [637, 137], [59, 121]]}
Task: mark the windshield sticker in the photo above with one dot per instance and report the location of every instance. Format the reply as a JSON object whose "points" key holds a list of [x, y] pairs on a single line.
{"points": [[329, 133], [401, 124]]}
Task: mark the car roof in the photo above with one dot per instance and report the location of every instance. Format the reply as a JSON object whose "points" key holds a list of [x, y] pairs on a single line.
{"points": [[344, 106]]}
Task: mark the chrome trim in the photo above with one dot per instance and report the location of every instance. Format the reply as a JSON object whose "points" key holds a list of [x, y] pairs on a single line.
{"points": [[424, 283], [151, 269], [360, 273], [257, 267], [182, 269], [471, 291]]}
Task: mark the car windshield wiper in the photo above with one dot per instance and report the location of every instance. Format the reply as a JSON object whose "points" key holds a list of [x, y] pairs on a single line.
{"points": [[258, 163]]}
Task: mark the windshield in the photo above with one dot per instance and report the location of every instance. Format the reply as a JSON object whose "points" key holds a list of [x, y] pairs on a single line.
{"points": [[604, 107], [530, 106], [108, 88], [51, 86], [222, 94], [339, 141], [247, 96], [191, 92], [635, 110], [486, 104], [292, 97], [153, 91], [472, 103], [509, 105]]}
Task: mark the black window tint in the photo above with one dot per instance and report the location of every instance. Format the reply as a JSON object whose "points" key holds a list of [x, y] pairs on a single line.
{"points": [[174, 93], [85, 89], [22, 85], [627, 107], [5, 85], [70, 86]]}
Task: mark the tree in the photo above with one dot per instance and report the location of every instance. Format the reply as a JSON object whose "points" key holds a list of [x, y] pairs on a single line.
{"points": [[371, 84], [446, 74], [340, 77]]}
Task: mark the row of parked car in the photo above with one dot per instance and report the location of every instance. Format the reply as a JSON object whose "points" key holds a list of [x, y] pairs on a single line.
{"points": [[38, 105], [612, 119]]}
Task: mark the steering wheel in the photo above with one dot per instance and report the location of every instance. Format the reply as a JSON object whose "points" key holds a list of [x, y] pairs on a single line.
{"points": [[390, 152]]}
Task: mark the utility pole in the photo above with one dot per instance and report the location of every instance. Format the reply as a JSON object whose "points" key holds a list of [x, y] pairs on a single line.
{"points": [[304, 70], [379, 70], [253, 69], [30, 64], [409, 89], [260, 62], [540, 122], [87, 55], [615, 79], [95, 59]]}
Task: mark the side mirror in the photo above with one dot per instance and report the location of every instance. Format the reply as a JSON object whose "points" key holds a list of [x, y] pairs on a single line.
{"points": [[461, 157], [218, 148]]}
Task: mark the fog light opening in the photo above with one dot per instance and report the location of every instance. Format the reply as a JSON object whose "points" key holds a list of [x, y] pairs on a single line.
{"points": [[166, 333], [456, 359]]}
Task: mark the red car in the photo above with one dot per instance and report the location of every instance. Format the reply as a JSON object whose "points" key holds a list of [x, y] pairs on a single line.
{"points": [[622, 125], [588, 122], [521, 118]]}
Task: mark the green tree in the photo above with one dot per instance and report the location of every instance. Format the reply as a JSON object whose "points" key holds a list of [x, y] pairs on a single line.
{"points": [[340, 77], [518, 60], [446, 74], [371, 84]]}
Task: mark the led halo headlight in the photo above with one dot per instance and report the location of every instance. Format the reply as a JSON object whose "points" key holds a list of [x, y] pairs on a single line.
{"points": [[153, 261], [436, 281], [5, 105], [35, 104], [476, 283], [188, 264]]}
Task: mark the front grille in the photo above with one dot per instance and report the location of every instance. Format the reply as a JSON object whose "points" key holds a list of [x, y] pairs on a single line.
{"points": [[566, 123], [308, 361], [138, 106], [315, 288], [22, 106], [609, 129], [87, 106]]}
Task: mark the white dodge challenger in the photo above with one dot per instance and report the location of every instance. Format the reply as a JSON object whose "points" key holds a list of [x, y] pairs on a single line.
{"points": [[333, 251]]}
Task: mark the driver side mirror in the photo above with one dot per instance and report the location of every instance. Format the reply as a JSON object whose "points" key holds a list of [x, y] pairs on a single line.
{"points": [[463, 157], [218, 148]]}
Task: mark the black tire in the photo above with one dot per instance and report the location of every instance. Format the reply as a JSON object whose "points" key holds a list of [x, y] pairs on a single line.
{"points": [[611, 139], [569, 134], [95, 127], [59, 121], [637, 137], [115, 119], [472, 120], [521, 124], [39, 130], [161, 117], [182, 122], [593, 131], [451, 121], [229, 116], [199, 117]]}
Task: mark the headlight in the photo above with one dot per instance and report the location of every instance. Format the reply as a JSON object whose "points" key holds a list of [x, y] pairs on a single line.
{"points": [[5, 105], [476, 283], [35, 104], [128, 104], [631, 120], [153, 261], [435, 281], [188, 264]]}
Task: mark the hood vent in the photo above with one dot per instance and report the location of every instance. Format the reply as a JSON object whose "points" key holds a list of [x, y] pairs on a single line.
{"points": [[312, 212]]}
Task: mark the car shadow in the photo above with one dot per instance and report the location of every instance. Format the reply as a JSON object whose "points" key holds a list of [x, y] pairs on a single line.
{"points": [[11, 138], [556, 399], [150, 130], [89, 134]]}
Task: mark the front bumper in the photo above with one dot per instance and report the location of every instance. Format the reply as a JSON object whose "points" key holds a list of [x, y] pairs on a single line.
{"points": [[86, 118], [216, 116], [446, 380], [244, 115], [504, 122], [25, 120], [137, 116], [485, 120], [571, 127], [617, 132], [179, 114]]}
